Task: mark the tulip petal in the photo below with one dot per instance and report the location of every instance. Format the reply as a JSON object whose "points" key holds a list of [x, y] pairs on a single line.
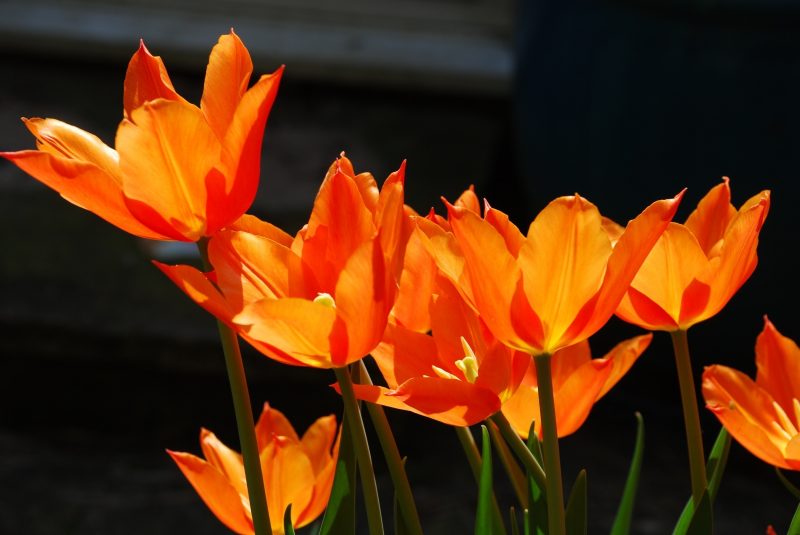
{"points": [[272, 424], [145, 80], [317, 442], [777, 361], [224, 459], [746, 411], [563, 262], [578, 394], [640, 310], [63, 140], [469, 201], [297, 327], [227, 77], [711, 217], [622, 357], [202, 291], [416, 287], [253, 225], [449, 401], [523, 407], [511, 234], [404, 354], [288, 479], [215, 491], [166, 152]]}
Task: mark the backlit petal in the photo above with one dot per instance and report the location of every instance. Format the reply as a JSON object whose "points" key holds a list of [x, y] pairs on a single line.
{"points": [[778, 363], [577, 395], [318, 440], [404, 354], [217, 493], [272, 424], [227, 77], [622, 357], [711, 217], [416, 287], [288, 479], [146, 79], [202, 291], [224, 459]]}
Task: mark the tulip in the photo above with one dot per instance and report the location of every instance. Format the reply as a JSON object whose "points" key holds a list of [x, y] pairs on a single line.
{"points": [[179, 172], [298, 471], [320, 299], [459, 375], [695, 268], [579, 381], [762, 415], [559, 284]]}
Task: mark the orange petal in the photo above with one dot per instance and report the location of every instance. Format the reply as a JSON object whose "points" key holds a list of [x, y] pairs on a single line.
{"points": [[202, 291], [563, 262], [216, 491], [166, 152], [566, 361], [493, 273], [778, 360], [272, 424], [224, 459], [227, 77], [390, 218], [317, 442], [469, 201], [146, 79], [577, 395], [404, 354], [640, 310], [288, 479], [622, 357], [297, 327], [446, 253], [511, 234], [737, 259], [364, 296], [254, 225], [449, 401], [629, 253], [711, 217], [322, 491], [746, 411], [523, 407], [452, 319], [416, 287]]}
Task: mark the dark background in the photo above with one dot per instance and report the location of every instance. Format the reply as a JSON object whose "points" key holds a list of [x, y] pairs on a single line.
{"points": [[104, 364]]}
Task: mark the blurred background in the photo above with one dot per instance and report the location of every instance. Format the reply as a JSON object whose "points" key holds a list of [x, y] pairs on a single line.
{"points": [[105, 364]]}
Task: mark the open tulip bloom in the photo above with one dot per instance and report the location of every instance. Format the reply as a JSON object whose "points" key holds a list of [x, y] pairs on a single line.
{"points": [[179, 171], [298, 472], [762, 415]]}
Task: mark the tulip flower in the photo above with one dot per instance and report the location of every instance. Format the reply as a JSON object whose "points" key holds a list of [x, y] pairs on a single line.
{"points": [[322, 298], [579, 381], [458, 375], [695, 268], [179, 171], [559, 284], [762, 415], [298, 471]]}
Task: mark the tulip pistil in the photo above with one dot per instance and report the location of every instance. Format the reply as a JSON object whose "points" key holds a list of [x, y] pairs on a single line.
{"points": [[325, 299]]}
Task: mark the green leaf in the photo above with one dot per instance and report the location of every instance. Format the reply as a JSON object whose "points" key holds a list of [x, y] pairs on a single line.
{"points": [[577, 506], [622, 521], [704, 512], [400, 525], [288, 528], [794, 528], [536, 515], [483, 517], [340, 515]]}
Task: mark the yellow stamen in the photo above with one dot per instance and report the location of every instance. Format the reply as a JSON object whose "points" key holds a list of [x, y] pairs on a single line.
{"points": [[784, 420], [444, 374], [325, 299], [781, 431], [796, 405], [469, 364]]}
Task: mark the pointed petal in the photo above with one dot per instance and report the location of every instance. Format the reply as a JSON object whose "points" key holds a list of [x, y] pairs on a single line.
{"points": [[640, 310], [449, 401], [622, 357], [629, 253], [202, 291], [511, 234], [217, 493], [166, 152], [778, 361], [241, 157], [322, 491], [297, 327], [224, 459], [416, 287], [577, 395], [469, 201], [746, 411], [563, 262], [317, 442], [390, 218], [446, 253], [566, 361], [288, 479], [65, 141], [254, 225], [364, 296], [272, 424], [711, 217], [227, 77], [146, 79], [493, 273], [404, 354]]}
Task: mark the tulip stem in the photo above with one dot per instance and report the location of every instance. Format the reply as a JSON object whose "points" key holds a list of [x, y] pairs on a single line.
{"points": [[397, 471], [691, 417], [244, 418], [520, 449], [359, 437], [552, 458]]}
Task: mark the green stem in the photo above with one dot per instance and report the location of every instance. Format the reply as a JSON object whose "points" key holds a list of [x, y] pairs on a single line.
{"points": [[691, 417], [515, 475], [358, 434], [397, 471], [244, 418], [520, 448], [552, 458], [476, 464]]}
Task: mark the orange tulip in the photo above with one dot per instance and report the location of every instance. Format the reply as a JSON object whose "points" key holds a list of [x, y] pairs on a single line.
{"points": [[459, 375], [579, 381], [695, 268], [297, 471], [179, 172], [559, 284], [322, 298], [763, 415]]}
